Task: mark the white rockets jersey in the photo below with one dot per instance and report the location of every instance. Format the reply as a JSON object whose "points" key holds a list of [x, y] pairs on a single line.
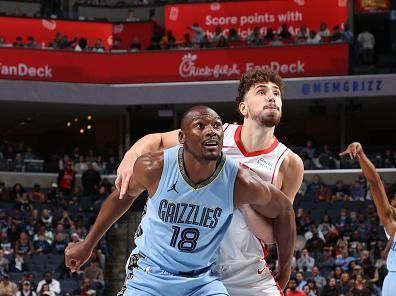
{"points": [[240, 261]]}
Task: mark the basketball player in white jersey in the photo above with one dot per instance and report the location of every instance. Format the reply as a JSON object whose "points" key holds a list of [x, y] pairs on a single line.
{"points": [[241, 262], [386, 212]]}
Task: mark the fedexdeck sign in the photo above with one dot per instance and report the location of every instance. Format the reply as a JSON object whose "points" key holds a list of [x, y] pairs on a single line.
{"points": [[171, 66]]}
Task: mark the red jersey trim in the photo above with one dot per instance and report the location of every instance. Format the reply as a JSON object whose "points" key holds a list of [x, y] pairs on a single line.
{"points": [[276, 164], [237, 138]]}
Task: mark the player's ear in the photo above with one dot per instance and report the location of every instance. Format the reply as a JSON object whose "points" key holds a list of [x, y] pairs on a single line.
{"points": [[181, 137], [243, 108]]}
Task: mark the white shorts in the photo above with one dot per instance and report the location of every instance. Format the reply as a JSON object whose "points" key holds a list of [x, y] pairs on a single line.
{"points": [[250, 280], [389, 285]]}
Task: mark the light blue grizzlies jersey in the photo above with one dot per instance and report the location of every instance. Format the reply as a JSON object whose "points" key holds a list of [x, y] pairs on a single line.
{"points": [[184, 223], [391, 259]]}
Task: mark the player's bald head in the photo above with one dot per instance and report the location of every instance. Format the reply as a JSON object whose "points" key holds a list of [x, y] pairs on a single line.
{"points": [[196, 112]]}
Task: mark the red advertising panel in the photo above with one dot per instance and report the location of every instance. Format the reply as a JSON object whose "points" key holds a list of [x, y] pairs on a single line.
{"points": [[168, 66], [127, 31], [44, 30], [245, 15], [363, 6]]}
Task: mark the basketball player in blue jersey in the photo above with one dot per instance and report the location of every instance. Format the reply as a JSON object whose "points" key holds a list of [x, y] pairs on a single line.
{"points": [[386, 212], [193, 191], [241, 262]]}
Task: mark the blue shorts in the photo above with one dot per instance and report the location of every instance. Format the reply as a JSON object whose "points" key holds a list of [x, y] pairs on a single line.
{"points": [[147, 279]]}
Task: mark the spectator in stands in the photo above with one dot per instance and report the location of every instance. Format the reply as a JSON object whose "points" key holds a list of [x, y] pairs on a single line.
{"points": [[31, 43], [331, 288], [131, 16], [168, 41], [53, 284], [17, 264], [116, 45], [91, 179], [324, 32], [327, 228], [366, 50], [314, 241], [98, 46], [23, 244], [314, 185], [46, 218], [222, 42], [154, 45], [4, 192], [284, 33], [340, 191], [99, 198], [307, 291], [270, 35], [336, 35], [323, 193], [357, 192], [305, 262], [84, 287], [205, 43], [233, 35], [67, 179], [59, 245], [7, 287], [66, 220], [53, 195], [388, 159], [187, 41], [319, 280], [26, 290], [29, 154], [255, 37], [198, 32], [135, 45], [19, 163], [217, 35], [4, 262], [81, 45], [5, 244], [17, 12], [301, 282], [302, 34], [345, 259], [41, 245], [327, 263], [37, 195], [291, 289], [95, 274], [347, 34]]}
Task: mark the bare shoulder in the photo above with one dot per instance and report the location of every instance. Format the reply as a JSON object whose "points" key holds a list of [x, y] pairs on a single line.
{"points": [[292, 163]]}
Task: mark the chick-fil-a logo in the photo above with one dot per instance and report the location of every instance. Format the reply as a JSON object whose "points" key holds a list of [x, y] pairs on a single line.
{"points": [[188, 68]]}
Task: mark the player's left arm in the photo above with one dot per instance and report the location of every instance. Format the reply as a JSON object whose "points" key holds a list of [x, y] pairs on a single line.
{"points": [[270, 202]]}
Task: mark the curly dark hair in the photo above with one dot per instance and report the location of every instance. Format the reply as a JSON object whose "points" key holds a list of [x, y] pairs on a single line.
{"points": [[253, 77]]}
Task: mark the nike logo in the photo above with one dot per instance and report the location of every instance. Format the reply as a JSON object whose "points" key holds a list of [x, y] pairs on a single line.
{"points": [[173, 187]]}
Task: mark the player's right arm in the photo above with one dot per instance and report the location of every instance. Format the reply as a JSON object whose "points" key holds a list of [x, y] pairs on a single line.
{"points": [[386, 212], [147, 144], [269, 202], [148, 170]]}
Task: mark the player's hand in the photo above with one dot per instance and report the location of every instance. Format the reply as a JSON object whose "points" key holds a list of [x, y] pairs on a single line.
{"points": [[353, 150], [76, 254], [124, 174]]}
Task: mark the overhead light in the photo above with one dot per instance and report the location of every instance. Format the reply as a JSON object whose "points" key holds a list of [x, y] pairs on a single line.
{"points": [[81, 131], [75, 119], [89, 117], [89, 127], [22, 122], [68, 123]]}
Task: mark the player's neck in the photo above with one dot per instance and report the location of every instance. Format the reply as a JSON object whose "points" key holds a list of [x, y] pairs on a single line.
{"points": [[198, 170], [255, 136]]}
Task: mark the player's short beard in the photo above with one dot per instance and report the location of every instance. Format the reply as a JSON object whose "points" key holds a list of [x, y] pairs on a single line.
{"points": [[271, 121]]}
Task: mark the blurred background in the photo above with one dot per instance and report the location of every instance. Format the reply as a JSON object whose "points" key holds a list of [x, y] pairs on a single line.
{"points": [[81, 81]]}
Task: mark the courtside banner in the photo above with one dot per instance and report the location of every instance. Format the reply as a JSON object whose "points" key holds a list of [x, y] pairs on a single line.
{"points": [[171, 66], [44, 30], [364, 6], [245, 15]]}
